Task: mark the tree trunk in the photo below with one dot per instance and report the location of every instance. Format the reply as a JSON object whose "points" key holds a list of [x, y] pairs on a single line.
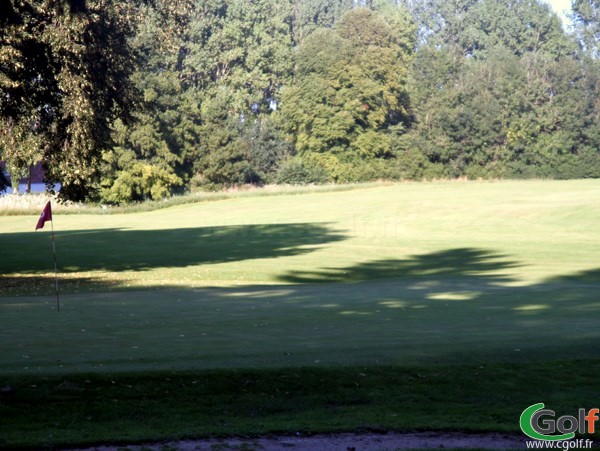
{"points": [[28, 188]]}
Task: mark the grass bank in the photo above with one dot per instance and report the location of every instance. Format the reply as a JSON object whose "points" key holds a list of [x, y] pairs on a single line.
{"points": [[90, 409]]}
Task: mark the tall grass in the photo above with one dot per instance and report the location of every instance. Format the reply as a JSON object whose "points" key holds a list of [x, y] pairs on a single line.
{"points": [[30, 204]]}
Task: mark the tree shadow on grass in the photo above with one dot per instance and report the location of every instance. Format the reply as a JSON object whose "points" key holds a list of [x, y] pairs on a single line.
{"points": [[138, 250], [589, 276], [452, 306], [456, 296], [449, 306], [485, 265]]}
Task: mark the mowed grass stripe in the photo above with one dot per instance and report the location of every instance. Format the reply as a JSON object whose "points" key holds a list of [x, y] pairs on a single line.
{"points": [[388, 322]]}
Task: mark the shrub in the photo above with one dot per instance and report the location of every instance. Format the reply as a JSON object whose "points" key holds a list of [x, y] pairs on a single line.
{"points": [[296, 171]]}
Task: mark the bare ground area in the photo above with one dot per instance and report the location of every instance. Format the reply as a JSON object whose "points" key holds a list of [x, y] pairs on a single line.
{"points": [[339, 442]]}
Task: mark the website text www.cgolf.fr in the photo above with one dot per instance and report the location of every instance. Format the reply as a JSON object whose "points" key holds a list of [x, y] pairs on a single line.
{"points": [[560, 444]]}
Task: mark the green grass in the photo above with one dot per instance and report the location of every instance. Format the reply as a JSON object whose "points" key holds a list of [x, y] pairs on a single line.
{"points": [[408, 277], [88, 409]]}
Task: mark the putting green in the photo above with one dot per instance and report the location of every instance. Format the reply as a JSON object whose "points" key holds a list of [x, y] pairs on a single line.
{"points": [[392, 274]]}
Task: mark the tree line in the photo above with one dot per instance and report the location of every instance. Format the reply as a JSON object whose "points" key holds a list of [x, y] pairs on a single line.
{"points": [[126, 101]]}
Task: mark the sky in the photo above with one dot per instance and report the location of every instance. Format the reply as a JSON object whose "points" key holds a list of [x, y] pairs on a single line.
{"points": [[559, 6]]}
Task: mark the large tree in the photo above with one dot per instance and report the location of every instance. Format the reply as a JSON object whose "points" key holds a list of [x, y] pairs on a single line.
{"points": [[240, 57], [151, 153], [64, 70], [349, 97]]}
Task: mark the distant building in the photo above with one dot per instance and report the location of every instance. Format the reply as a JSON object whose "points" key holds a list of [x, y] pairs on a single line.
{"points": [[36, 177]]}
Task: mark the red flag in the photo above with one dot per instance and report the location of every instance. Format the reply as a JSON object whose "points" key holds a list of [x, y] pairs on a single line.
{"points": [[45, 216]]}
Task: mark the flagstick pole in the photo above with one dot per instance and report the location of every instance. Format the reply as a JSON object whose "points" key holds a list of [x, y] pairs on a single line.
{"points": [[55, 267]]}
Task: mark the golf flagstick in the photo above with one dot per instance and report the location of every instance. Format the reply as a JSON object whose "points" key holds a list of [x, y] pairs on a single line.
{"points": [[55, 266], [47, 216]]}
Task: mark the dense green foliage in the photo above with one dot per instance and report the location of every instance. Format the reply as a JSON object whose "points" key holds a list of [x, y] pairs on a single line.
{"points": [[349, 99], [149, 155], [139, 100], [63, 76], [521, 103]]}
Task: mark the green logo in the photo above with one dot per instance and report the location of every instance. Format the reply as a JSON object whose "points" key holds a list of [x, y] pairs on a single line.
{"points": [[534, 426], [539, 423]]}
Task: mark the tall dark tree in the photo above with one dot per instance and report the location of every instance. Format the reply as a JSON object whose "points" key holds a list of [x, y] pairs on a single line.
{"points": [[152, 153], [64, 70], [240, 55]]}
